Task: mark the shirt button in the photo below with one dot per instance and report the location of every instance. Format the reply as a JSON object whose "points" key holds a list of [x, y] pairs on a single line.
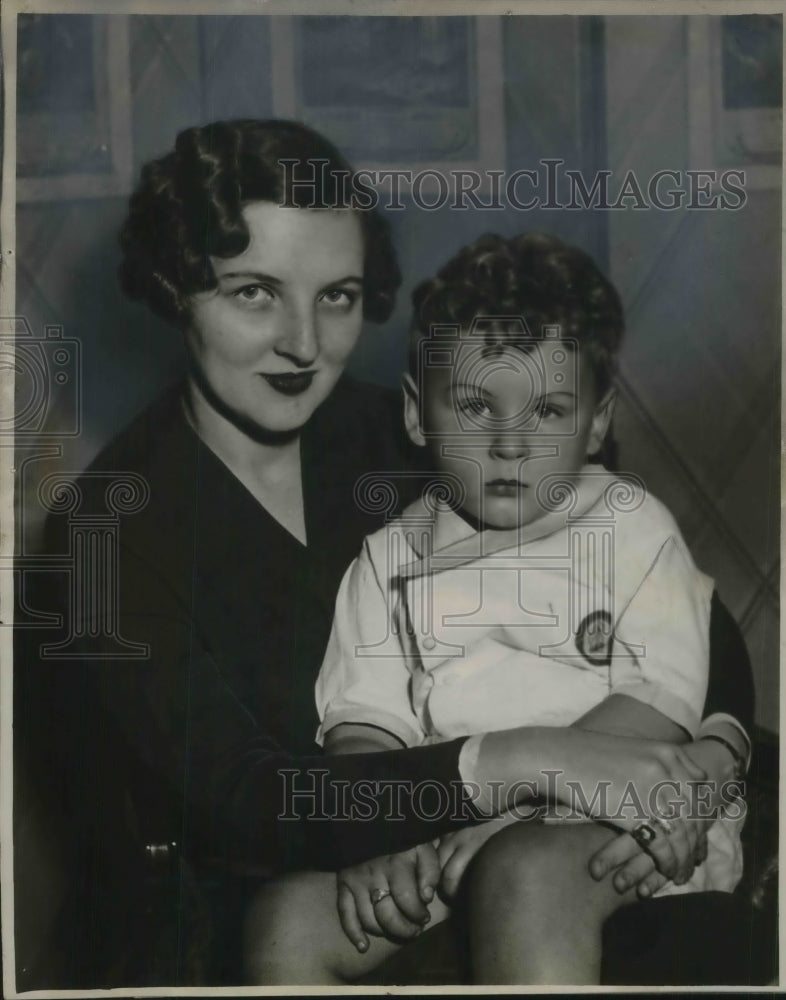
{"points": [[429, 643]]}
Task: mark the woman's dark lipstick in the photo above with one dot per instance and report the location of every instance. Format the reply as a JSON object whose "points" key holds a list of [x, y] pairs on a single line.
{"points": [[505, 487], [290, 383]]}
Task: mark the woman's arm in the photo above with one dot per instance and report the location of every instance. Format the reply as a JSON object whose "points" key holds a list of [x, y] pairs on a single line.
{"points": [[729, 707], [239, 794]]}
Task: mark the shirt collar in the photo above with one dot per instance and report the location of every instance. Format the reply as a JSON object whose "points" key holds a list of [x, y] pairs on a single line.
{"points": [[456, 543]]}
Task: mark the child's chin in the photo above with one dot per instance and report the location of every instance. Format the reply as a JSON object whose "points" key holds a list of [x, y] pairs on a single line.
{"points": [[507, 517], [506, 523]]}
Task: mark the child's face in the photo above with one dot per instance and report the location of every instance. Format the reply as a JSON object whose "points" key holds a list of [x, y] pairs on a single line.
{"points": [[501, 422]]}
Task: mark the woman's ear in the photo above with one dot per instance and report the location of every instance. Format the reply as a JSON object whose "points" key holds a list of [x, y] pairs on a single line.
{"points": [[601, 420], [412, 411]]}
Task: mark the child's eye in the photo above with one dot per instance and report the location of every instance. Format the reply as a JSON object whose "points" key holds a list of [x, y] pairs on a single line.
{"points": [[253, 293], [475, 405], [544, 409], [343, 298]]}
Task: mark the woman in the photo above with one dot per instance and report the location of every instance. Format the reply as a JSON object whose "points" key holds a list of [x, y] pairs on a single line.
{"points": [[198, 758]]}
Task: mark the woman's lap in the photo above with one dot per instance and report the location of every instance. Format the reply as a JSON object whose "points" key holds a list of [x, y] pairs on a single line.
{"points": [[697, 938], [293, 929]]}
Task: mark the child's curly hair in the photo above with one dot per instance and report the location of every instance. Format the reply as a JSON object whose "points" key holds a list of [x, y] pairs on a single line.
{"points": [[188, 207], [536, 277]]}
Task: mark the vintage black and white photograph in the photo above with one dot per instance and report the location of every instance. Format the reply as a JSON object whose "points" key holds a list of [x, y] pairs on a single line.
{"points": [[390, 423]]}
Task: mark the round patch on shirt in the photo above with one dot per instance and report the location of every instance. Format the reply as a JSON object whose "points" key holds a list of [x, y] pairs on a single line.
{"points": [[594, 638]]}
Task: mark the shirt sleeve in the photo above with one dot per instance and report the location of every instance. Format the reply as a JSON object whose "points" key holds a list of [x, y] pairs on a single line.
{"points": [[661, 649], [728, 729], [364, 677]]}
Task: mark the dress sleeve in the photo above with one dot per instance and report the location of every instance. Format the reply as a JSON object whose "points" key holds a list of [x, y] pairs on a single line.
{"points": [[730, 691], [364, 677], [201, 769], [661, 649]]}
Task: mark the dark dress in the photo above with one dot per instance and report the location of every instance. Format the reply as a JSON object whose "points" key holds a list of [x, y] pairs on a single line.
{"points": [[166, 770], [167, 767]]}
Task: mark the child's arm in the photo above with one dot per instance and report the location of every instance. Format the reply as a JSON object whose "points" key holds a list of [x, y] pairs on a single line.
{"points": [[362, 688]]}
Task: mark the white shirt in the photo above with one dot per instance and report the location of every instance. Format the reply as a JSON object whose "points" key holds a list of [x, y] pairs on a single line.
{"points": [[442, 631]]}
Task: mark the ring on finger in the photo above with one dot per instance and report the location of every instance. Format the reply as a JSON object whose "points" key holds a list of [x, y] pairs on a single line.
{"points": [[644, 834], [662, 822], [378, 895]]}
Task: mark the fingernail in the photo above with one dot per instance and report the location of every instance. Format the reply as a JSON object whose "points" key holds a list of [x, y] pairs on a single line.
{"points": [[362, 945], [426, 919], [428, 893], [644, 890]]}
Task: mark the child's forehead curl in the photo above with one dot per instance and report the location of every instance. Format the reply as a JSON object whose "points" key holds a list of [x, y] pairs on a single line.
{"points": [[493, 341]]}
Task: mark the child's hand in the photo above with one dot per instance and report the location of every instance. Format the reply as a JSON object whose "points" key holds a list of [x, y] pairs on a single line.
{"points": [[457, 849], [388, 896]]}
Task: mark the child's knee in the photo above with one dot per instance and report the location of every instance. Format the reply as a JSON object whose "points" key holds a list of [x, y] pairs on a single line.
{"points": [[511, 860], [533, 858]]}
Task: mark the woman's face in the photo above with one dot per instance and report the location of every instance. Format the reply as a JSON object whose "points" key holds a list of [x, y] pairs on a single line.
{"points": [[270, 342]]}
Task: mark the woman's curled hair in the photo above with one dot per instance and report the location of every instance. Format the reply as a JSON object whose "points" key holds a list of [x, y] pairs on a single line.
{"points": [[188, 207]]}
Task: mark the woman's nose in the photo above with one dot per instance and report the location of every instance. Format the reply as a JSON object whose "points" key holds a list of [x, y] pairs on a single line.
{"points": [[509, 445], [299, 341]]}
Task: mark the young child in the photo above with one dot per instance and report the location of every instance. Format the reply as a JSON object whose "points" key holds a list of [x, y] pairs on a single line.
{"points": [[527, 588]]}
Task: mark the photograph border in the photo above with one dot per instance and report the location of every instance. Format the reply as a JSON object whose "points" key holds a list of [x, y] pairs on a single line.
{"points": [[119, 183]]}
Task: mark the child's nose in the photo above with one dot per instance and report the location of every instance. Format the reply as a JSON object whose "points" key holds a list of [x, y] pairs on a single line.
{"points": [[509, 445]]}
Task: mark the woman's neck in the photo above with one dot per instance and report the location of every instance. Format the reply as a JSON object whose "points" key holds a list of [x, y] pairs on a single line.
{"points": [[268, 468]]}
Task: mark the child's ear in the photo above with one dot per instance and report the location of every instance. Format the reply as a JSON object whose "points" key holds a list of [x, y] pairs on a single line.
{"points": [[412, 411], [601, 420]]}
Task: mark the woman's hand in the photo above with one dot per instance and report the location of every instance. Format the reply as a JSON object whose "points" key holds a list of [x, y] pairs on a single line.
{"points": [[405, 882], [659, 779], [631, 865], [618, 779]]}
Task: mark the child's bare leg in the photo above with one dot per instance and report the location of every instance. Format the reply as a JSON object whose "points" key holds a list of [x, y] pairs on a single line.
{"points": [[535, 912], [293, 935]]}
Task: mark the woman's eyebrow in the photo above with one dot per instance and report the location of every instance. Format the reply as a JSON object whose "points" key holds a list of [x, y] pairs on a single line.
{"points": [[251, 275], [347, 280]]}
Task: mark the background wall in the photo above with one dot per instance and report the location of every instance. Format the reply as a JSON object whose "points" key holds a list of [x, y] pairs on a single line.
{"points": [[699, 415]]}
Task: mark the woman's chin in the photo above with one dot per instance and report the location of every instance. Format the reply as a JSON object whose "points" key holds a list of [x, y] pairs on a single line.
{"points": [[278, 416], [270, 425]]}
